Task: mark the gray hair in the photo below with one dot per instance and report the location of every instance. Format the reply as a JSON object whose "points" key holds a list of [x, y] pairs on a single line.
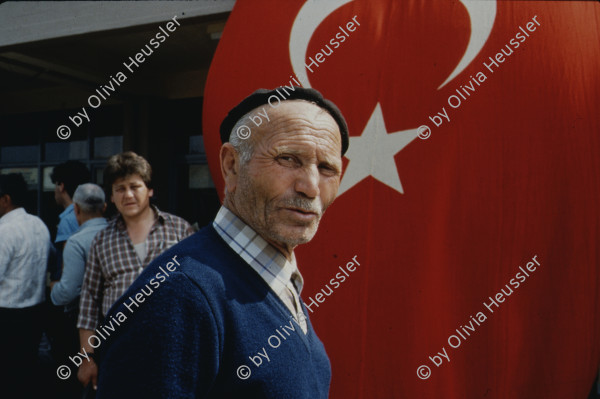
{"points": [[90, 198], [243, 146]]}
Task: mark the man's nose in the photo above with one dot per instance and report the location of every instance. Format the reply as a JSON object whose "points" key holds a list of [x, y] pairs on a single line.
{"points": [[307, 183]]}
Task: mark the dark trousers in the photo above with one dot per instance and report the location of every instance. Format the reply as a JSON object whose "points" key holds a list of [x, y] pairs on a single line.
{"points": [[62, 331], [20, 334]]}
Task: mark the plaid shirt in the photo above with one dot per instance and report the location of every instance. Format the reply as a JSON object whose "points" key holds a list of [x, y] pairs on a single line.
{"points": [[113, 263], [282, 276]]}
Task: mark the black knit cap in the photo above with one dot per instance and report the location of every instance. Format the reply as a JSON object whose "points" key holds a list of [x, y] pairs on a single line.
{"points": [[261, 97]]}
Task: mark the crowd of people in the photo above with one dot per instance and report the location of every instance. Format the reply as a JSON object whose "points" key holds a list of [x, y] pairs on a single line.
{"points": [[60, 292]]}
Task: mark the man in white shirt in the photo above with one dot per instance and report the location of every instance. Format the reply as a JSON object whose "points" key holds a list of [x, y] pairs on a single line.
{"points": [[24, 248]]}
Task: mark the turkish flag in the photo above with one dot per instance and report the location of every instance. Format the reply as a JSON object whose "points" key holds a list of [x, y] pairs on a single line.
{"points": [[479, 245]]}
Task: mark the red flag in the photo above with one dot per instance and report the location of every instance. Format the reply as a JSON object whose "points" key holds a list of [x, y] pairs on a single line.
{"points": [[478, 246]]}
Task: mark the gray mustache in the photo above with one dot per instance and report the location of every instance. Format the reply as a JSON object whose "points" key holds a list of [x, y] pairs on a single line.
{"points": [[304, 204]]}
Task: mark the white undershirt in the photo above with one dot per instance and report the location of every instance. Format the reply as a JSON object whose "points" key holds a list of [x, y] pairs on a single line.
{"points": [[142, 250]]}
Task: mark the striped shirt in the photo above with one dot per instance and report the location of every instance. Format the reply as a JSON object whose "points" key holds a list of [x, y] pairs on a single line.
{"points": [[113, 263], [281, 275]]}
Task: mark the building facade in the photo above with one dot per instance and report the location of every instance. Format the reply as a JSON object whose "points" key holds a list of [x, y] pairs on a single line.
{"points": [[112, 76]]}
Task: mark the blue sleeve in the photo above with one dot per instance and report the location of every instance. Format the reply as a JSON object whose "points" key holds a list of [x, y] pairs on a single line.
{"points": [[69, 286], [168, 347]]}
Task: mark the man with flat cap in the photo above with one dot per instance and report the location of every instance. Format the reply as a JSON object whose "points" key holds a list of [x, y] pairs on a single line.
{"points": [[225, 318]]}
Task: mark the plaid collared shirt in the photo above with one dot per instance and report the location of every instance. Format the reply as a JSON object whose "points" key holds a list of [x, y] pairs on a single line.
{"points": [[113, 263], [282, 276]]}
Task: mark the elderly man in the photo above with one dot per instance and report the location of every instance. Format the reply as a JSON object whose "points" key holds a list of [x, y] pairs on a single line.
{"points": [[89, 205], [231, 296]]}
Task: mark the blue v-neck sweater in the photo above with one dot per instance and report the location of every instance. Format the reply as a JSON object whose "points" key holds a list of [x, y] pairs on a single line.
{"points": [[211, 328]]}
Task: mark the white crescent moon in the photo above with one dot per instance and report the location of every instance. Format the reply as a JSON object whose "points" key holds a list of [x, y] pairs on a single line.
{"points": [[481, 13], [310, 16]]}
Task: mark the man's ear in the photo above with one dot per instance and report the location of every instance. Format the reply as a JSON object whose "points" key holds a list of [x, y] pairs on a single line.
{"points": [[76, 208], [230, 166], [61, 187]]}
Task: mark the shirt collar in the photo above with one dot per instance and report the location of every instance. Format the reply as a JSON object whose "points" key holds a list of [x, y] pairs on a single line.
{"points": [[92, 222], [264, 258], [69, 209]]}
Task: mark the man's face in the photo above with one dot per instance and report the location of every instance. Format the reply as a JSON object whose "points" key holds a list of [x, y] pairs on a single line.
{"points": [[56, 192], [293, 175], [131, 196], [58, 188], [4, 204]]}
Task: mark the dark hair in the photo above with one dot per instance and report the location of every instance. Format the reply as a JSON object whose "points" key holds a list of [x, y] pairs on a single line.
{"points": [[14, 185], [71, 174], [126, 164]]}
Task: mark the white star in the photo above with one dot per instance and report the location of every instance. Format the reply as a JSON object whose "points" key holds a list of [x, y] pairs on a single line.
{"points": [[372, 154]]}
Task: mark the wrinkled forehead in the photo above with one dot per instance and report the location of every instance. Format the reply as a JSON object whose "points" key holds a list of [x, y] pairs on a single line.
{"points": [[295, 117]]}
